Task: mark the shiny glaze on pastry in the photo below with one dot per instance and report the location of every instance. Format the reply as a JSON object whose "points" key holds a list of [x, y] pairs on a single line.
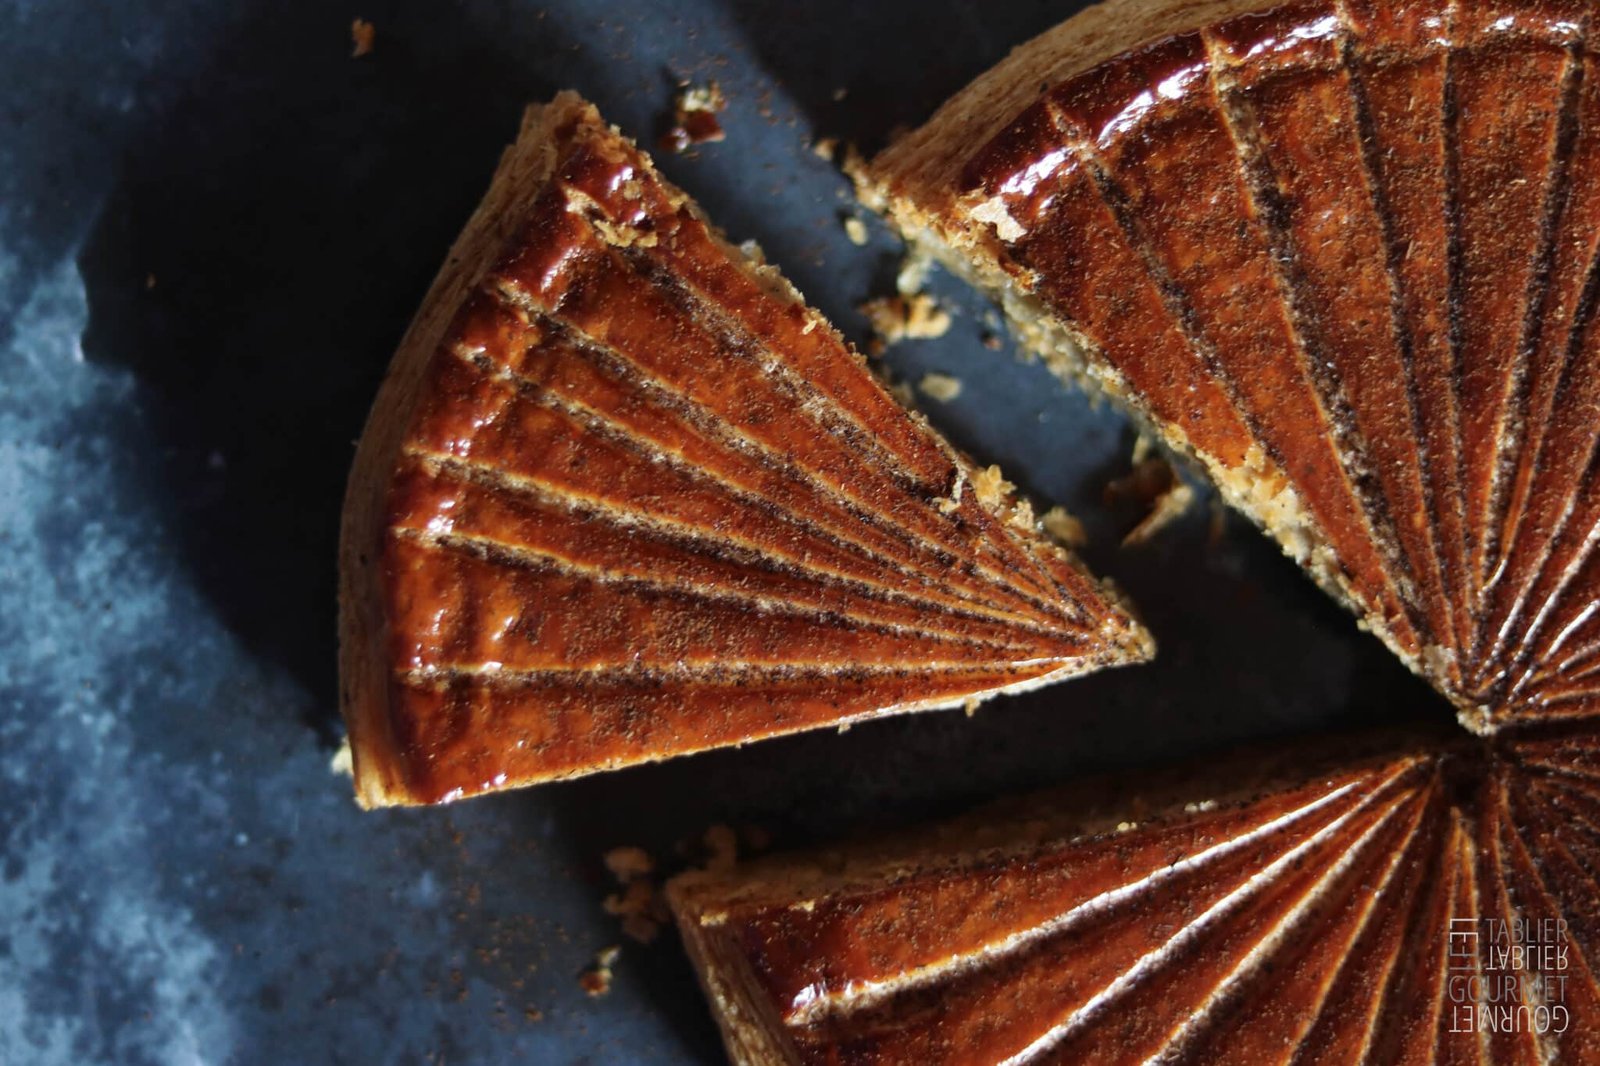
{"points": [[1344, 254], [627, 497], [1345, 913]]}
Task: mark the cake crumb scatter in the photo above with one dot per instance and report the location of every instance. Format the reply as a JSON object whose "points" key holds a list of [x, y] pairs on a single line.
{"points": [[722, 846], [596, 980], [941, 387], [629, 863], [1065, 527], [343, 762], [639, 905], [695, 117], [992, 488], [363, 35], [897, 318], [1152, 486]]}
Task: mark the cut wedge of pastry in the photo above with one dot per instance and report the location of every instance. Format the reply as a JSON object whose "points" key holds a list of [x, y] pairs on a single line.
{"points": [[623, 496], [1344, 255], [1370, 907]]}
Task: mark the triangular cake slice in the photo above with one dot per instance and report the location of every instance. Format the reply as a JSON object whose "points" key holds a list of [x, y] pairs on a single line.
{"points": [[1342, 253], [623, 496], [1428, 900]]}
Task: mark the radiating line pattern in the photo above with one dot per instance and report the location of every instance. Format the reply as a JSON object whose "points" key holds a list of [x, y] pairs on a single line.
{"points": [[649, 503], [1434, 904], [1344, 252]]}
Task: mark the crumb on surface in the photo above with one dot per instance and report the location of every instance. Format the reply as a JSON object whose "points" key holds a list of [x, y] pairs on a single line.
{"points": [[991, 487], [722, 847], [596, 980], [641, 909], [1153, 487], [343, 761], [914, 271], [363, 35], [897, 318], [628, 863], [751, 249], [854, 164], [640, 906], [825, 148], [695, 113], [1065, 527], [940, 387], [856, 230]]}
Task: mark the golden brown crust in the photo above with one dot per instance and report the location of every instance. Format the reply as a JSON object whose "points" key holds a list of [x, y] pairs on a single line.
{"points": [[624, 497], [1330, 250], [1252, 913], [364, 637]]}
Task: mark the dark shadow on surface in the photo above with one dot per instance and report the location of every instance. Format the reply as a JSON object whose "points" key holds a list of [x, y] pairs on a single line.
{"points": [[895, 64], [264, 246], [260, 254]]}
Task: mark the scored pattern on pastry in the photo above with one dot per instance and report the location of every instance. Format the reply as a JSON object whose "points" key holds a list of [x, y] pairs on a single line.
{"points": [[647, 502], [1345, 253], [1372, 913]]}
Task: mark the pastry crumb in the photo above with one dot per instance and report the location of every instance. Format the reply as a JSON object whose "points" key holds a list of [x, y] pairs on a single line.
{"points": [[854, 164], [717, 847], [897, 318], [941, 387], [628, 863], [596, 980], [1065, 527], [695, 117], [856, 230], [640, 908], [1154, 488], [914, 271], [639, 905], [992, 489], [363, 36], [343, 762], [826, 148]]}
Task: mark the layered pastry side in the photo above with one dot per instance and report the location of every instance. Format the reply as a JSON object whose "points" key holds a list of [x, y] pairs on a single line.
{"points": [[1342, 253], [623, 496], [1420, 900]]}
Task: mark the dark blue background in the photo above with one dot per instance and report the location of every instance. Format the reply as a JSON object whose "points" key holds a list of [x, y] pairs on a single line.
{"points": [[182, 879]]}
